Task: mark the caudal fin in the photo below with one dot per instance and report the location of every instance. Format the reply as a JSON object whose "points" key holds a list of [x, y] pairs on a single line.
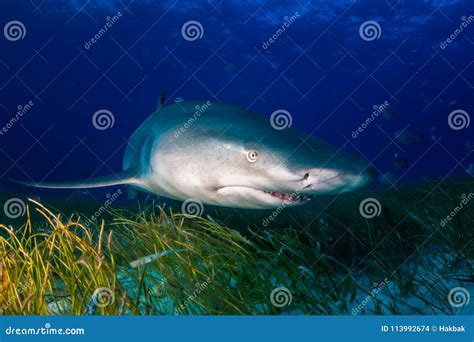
{"points": [[124, 177]]}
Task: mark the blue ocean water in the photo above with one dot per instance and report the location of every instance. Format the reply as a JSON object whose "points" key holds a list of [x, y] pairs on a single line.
{"points": [[327, 63]]}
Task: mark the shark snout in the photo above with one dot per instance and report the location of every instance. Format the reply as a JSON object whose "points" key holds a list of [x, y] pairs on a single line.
{"points": [[330, 181]]}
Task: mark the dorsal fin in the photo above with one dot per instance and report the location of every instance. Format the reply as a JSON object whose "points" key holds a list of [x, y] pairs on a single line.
{"points": [[161, 101]]}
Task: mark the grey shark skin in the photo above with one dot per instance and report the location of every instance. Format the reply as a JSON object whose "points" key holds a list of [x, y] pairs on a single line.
{"points": [[226, 156]]}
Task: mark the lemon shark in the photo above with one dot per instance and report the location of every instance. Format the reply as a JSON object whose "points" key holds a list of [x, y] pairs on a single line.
{"points": [[226, 156]]}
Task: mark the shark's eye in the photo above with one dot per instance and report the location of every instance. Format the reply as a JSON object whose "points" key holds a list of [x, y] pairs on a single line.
{"points": [[252, 156]]}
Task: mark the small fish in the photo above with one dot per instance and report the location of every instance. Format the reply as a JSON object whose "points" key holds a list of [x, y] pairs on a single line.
{"points": [[432, 133], [400, 161], [87, 174], [407, 136], [323, 224], [84, 193], [178, 99], [132, 194], [469, 145], [150, 258], [388, 178], [452, 103], [470, 170], [387, 111], [230, 68]]}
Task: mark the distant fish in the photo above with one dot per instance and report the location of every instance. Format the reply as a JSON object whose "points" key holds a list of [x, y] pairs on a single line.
{"points": [[387, 111], [470, 170], [408, 136], [178, 99], [84, 192], [87, 174], [388, 178], [452, 103], [150, 258], [433, 133], [132, 194], [230, 68], [469, 145], [323, 224], [400, 161]]}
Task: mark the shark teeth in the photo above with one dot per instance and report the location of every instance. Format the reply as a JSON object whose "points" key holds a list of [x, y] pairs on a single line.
{"points": [[292, 198]]}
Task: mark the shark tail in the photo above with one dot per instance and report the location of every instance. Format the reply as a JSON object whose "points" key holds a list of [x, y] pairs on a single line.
{"points": [[124, 177]]}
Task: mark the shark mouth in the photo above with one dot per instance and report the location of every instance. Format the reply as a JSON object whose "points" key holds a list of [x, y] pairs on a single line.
{"points": [[290, 198], [264, 196]]}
